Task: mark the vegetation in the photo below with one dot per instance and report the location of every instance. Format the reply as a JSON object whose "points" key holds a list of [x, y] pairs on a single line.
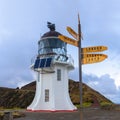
{"points": [[21, 98], [15, 114], [110, 106], [90, 96]]}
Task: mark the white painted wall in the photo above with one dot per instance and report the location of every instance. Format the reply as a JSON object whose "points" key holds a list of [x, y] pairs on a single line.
{"points": [[59, 98]]}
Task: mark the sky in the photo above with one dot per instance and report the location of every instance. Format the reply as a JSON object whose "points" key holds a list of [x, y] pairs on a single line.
{"points": [[23, 22]]}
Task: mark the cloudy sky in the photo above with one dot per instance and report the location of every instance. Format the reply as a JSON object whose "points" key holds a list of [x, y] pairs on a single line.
{"points": [[22, 22]]}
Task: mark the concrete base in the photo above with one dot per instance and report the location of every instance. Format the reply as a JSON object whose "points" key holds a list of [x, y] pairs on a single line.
{"points": [[52, 110]]}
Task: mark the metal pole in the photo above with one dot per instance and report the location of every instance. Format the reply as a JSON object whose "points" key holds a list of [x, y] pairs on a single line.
{"points": [[80, 67], [79, 59]]}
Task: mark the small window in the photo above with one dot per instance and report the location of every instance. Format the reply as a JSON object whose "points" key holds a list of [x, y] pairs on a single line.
{"points": [[58, 74], [46, 95]]}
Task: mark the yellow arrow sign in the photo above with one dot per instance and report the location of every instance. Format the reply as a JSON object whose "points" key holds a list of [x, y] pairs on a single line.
{"points": [[68, 40], [91, 55], [90, 60], [72, 32], [94, 49]]}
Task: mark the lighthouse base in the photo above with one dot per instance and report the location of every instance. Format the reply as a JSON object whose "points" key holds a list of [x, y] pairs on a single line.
{"points": [[52, 110], [52, 90]]}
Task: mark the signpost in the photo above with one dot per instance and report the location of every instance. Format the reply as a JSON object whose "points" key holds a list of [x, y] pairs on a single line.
{"points": [[93, 55], [68, 40], [83, 56], [80, 67], [94, 49], [72, 32], [93, 59]]}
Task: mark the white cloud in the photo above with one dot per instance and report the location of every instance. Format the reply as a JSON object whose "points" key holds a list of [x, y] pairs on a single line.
{"points": [[21, 82], [110, 66], [104, 84]]}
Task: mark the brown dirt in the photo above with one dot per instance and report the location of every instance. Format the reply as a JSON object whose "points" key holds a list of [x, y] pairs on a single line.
{"points": [[95, 103], [87, 113]]}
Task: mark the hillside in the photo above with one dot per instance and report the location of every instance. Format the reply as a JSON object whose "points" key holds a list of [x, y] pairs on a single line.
{"points": [[10, 98]]}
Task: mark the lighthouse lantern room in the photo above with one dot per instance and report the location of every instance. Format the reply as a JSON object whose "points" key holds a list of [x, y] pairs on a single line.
{"points": [[52, 65]]}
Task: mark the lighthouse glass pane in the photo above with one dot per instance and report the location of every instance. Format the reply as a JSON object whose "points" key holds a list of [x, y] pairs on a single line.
{"points": [[59, 74], [52, 45]]}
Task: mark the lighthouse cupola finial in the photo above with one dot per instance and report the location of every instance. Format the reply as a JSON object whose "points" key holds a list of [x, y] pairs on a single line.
{"points": [[51, 26]]}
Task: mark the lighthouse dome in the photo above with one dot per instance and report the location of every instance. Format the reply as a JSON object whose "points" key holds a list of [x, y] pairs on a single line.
{"points": [[51, 34], [50, 44], [52, 31]]}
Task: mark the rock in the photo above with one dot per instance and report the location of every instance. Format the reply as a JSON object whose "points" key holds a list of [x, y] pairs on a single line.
{"points": [[8, 116]]}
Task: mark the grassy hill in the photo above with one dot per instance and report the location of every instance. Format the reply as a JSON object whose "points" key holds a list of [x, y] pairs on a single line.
{"points": [[12, 98]]}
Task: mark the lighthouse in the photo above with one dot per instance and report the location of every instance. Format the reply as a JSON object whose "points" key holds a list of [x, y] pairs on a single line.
{"points": [[51, 66]]}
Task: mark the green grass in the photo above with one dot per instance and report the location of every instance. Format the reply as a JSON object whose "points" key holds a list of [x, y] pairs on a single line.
{"points": [[85, 105], [107, 105], [11, 109], [1, 115]]}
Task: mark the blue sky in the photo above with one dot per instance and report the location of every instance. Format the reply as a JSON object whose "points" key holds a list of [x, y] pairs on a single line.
{"points": [[22, 22]]}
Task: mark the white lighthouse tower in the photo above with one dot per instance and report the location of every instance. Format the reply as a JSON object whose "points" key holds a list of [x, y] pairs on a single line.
{"points": [[51, 66]]}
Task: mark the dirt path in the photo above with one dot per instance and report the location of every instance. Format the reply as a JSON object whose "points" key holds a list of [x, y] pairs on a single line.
{"points": [[88, 114]]}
